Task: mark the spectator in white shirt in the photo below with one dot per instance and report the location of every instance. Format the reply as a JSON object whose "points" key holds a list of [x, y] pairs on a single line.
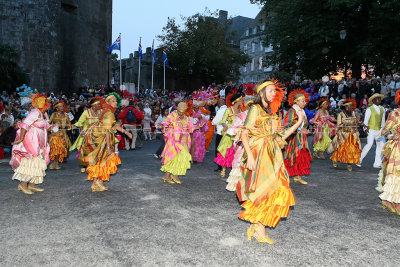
{"points": [[324, 90], [218, 117]]}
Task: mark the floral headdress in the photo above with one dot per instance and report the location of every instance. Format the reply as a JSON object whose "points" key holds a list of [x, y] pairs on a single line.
{"points": [[40, 102], [291, 98]]}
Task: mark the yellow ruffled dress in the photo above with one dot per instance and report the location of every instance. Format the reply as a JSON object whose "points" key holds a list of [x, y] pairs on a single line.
{"points": [[59, 141]]}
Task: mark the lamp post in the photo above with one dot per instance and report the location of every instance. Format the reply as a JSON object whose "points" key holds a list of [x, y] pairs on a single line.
{"points": [[342, 35]]}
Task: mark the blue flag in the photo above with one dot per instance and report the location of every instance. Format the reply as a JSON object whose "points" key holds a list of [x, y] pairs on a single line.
{"points": [[152, 53], [140, 48], [116, 45], [164, 57]]}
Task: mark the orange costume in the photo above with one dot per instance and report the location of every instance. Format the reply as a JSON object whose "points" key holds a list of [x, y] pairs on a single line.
{"points": [[59, 140]]}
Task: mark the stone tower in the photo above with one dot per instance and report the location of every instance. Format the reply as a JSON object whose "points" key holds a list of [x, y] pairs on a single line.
{"points": [[62, 43]]}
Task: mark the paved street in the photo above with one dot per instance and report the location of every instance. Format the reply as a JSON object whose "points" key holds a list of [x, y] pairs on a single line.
{"points": [[140, 221]]}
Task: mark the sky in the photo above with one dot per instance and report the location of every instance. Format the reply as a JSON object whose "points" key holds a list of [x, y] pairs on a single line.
{"points": [[135, 19]]}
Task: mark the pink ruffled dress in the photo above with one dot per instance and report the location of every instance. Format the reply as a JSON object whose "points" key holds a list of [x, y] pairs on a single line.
{"points": [[29, 158]]}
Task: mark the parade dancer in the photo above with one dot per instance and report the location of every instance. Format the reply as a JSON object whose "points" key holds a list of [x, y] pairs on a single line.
{"points": [[210, 132], [297, 154], [265, 186], [389, 182], [198, 148], [30, 152], [324, 128], [374, 120], [346, 145], [176, 158], [98, 150], [88, 118], [235, 130], [225, 148], [59, 140]]}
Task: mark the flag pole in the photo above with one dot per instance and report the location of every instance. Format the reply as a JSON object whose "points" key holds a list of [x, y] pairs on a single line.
{"points": [[152, 67], [120, 63], [138, 85], [164, 78]]}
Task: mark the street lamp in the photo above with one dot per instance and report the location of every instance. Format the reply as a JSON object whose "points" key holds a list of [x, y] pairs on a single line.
{"points": [[342, 35]]}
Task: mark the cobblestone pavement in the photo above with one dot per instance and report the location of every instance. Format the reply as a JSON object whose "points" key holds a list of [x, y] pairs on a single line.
{"points": [[140, 221]]}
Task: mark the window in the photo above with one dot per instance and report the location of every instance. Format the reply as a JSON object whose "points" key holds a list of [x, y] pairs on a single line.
{"points": [[247, 32], [253, 47], [244, 68], [245, 48], [261, 46], [252, 64], [255, 30], [260, 63], [262, 27]]}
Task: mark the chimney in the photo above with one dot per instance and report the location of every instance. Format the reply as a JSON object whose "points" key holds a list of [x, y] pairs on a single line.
{"points": [[223, 16]]}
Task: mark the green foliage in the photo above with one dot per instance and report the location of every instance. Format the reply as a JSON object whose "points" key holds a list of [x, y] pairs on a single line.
{"points": [[199, 52], [305, 35], [11, 75]]}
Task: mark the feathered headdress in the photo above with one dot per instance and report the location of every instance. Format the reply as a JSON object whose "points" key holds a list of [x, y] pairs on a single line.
{"points": [[189, 109], [322, 101], [349, 101], [98, 98], [397, 98], [279, 95], [249, 89], [60, 102], [291, 98], [117, 96]]}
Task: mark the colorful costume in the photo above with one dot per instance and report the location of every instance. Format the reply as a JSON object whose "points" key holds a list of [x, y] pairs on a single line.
{"points": [[236, 174], [94, 153], [175, 156], [30, 157], [198, 148], [324, 130], [297, 154], [389, 184], [266, 190], [87, 118], [225, 148], [59, 141], [346, 146]]}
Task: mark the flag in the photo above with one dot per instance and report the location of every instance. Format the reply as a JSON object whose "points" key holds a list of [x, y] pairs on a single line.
{"points": [[116, 45], [140, 48], [152, 53], [164, 57]]}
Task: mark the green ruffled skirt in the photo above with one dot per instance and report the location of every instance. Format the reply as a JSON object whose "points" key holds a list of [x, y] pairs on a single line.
{"points": [[180, 164]]}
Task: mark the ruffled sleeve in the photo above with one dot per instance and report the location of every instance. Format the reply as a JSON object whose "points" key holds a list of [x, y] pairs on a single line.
{"points": [[33, 116], [82, 119]]}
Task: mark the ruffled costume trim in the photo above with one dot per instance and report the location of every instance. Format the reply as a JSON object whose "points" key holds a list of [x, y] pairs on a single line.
{"points": [[391, 189], [271, 210], [324, 143], [234, 177], [302, 165], [103, 173], [31, 170], [179, 164], [349, 152], [58, 148], [227, 160]]}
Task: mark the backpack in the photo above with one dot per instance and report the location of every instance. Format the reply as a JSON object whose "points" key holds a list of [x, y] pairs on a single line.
{"points": [[130, 116]]}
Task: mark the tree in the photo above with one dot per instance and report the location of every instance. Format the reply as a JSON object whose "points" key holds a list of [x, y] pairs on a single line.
{"points": [[11, 75], [305, 35], [199, 53]]}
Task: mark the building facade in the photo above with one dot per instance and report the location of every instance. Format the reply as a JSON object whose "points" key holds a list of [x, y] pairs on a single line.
{"points": [[61, 43], [252, 43]]}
